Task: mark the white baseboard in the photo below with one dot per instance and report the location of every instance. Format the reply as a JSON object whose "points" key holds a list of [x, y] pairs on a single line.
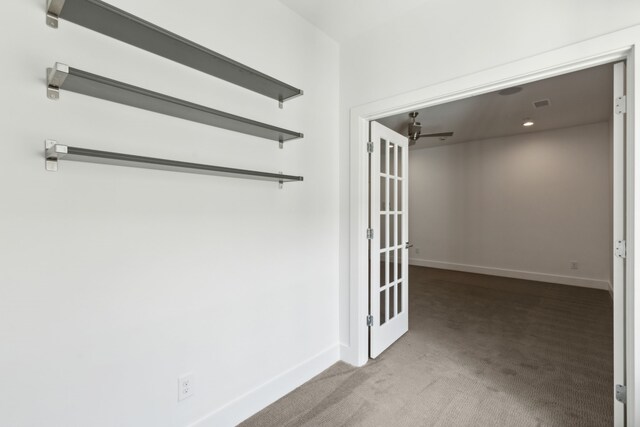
{"points": [[610, 285], [262, 396], [349, 355], [515, 274]]}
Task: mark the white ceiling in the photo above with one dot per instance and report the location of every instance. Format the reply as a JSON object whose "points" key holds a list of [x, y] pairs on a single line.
{"points": [[577, 98], [344, 19]]}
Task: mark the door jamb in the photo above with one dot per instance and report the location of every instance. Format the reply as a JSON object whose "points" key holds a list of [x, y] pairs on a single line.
{"points": [[611, 47]]}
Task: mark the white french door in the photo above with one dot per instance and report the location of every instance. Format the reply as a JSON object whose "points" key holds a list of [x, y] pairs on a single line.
{"points": [[619, 113], [388, 252]]}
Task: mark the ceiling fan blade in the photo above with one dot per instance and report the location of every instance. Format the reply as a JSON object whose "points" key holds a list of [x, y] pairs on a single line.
{"points": [[436, 135]]}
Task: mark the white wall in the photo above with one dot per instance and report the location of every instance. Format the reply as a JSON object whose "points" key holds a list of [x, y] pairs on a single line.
{"points": [[520, 206], [114, 281], [404, 54]]}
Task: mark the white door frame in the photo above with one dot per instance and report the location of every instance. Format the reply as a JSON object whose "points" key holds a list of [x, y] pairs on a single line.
{"points": [[616, 46], [618, 233]]}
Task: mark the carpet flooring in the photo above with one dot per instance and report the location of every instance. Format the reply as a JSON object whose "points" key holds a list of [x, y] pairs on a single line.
{"points": [[480, 351]]}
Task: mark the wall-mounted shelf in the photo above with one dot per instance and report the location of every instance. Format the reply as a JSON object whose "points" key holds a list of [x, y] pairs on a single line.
{"points": [[113, 22], [64, 77], [55, 152]]}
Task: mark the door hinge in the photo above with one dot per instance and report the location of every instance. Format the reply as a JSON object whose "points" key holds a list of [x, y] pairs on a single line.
{"points": [[621, 104], [621, 393], [369, 320], [621, 249], [369, 147], [370, 233]]}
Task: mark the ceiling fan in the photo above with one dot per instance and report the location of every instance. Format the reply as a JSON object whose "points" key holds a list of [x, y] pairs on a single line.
{"points": [[415, 128]]}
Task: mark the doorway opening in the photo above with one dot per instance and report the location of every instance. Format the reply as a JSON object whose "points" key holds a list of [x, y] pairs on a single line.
{"points": [[613, 48], [509, 184]]}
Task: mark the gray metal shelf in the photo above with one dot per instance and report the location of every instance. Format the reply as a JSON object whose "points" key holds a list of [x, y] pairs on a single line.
{"points": [[113, 22], [54, 152], [64, 77]]}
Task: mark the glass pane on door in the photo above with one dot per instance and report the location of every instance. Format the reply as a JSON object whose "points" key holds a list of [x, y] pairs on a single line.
{"points": [[392, 230], [390, 269], [392, 195], [383, 193], [383, 269], [392, 299], [383, 156], [392, 159]]}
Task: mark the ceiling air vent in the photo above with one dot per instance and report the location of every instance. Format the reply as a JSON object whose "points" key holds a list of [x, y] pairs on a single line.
{"points": [[542, 103]]}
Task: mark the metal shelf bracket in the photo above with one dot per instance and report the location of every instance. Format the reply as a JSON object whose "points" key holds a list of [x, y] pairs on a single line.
{"points": [[52, 152], [55, 79], [54, 8]]}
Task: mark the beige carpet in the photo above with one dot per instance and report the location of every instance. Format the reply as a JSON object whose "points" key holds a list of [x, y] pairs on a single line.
{"points": [[480, 351]]}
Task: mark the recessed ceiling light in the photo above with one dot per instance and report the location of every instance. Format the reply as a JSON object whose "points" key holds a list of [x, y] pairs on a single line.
{"points": [[527, 123]]}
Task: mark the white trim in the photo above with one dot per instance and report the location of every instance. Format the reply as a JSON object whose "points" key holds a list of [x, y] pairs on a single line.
{"points": [[632, 298], [515, 274], [618, 45], [241, 408], [346, 352], [610, 288], [617, 263]]}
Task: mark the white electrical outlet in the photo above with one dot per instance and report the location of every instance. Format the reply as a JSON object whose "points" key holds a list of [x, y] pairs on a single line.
{"points": [[185, 386], [417, 251], [574, 265]]}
